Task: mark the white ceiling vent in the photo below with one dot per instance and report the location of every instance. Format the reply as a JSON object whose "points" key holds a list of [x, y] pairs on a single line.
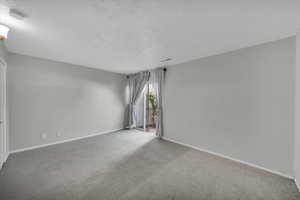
{"points": [[17, 14], [166, 59]]}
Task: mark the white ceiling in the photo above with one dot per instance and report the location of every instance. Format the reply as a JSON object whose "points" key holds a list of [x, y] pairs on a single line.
{"points": [[132, 35]]}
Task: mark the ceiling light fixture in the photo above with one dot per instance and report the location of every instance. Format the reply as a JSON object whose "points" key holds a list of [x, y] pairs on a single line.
{"points": [[3, 32]]}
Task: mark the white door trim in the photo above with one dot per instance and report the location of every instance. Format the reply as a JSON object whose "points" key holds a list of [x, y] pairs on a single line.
{"points": [[4, 120]]}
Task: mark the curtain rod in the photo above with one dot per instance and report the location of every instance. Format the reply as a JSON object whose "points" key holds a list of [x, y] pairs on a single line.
{"points": [[165, 69]]}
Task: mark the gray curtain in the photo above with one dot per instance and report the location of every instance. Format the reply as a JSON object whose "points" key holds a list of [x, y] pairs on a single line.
{"points": [[136, 85], [158, 80]]}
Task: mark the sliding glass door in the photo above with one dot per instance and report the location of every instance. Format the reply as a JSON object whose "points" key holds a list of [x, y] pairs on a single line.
{"points": [[146, 109], [141, 110]]}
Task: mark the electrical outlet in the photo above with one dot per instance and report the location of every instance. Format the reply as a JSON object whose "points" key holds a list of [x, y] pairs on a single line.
{"points": [[44, 136]]}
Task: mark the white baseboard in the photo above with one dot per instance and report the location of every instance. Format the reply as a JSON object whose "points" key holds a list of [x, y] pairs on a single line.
{"points": [[230, 158], [298, 186], [62, 141]]}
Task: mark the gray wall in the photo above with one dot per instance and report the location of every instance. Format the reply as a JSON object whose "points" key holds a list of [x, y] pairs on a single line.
{"points": [[239, 104], [297, 112], [57, 98]]}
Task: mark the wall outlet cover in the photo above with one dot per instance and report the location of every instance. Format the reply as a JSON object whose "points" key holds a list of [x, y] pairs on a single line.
{"points": [[44, 136]]}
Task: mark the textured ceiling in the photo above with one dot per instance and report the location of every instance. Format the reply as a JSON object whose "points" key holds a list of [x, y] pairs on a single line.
{"points": [[132, 35]]}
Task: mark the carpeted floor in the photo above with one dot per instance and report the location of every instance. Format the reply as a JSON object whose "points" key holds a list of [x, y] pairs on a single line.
{"points": [[133, 165]]}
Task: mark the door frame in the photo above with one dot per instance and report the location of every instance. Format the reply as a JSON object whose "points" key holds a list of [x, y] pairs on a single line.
{"points": [[4, 136]]}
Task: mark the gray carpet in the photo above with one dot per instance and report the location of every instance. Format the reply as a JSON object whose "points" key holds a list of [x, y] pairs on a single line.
{"points": [[133, 165]]}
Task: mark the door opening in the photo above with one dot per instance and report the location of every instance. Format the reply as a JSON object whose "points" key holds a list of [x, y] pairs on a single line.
{"points": [[146, 109]]}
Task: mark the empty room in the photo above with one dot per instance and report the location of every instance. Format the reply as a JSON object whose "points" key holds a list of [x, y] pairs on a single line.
{"points": [[149, 100]]}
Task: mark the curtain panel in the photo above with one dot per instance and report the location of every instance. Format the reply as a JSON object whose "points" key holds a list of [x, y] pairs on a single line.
{"points": [[136, 83]]}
